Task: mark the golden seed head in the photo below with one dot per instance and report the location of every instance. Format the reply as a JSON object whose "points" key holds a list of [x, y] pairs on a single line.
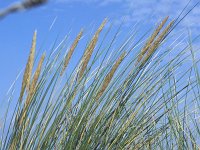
{"points": [[89, 50], [29, 67], [161, 36], [34, 81], [151, 39], [158, 41], [37, 74], [102, 25], [109, 76], [32, 88], [71, 50]]}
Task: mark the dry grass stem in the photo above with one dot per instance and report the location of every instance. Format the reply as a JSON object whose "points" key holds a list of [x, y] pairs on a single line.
{"points": [[151, 39], [69, 54], [29, 67], [109, 76], [89, 50]]}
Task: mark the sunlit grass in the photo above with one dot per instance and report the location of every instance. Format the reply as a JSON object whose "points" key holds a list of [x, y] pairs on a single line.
{"points": [[141, 95]]}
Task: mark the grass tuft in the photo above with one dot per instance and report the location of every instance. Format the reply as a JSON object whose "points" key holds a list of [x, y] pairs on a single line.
{"points": [[149, 102]]}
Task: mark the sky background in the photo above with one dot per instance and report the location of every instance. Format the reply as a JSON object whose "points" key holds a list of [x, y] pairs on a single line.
{"points": [[16, 30]]}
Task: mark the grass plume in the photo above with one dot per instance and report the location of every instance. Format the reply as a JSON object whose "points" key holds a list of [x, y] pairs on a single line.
{"points": [[89, 50], [109, 76], [71, 51], [151, 39], [34, 81], [156, 43], [29, 67]]}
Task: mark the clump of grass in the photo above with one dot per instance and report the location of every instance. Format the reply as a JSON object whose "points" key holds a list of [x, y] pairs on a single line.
{"points": [[127, 101]]}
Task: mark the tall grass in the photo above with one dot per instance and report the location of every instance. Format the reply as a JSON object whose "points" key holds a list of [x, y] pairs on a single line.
{"points": [[140, 96]]}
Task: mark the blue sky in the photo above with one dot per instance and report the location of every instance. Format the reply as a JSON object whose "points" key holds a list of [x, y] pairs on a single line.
{"points": [[16, 30]]}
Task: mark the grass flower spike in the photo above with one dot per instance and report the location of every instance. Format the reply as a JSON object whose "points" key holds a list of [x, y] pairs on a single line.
{"points": [[29, 67]]}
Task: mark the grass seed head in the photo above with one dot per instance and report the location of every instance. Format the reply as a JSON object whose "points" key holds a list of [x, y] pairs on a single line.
{"points": [[29, 67], [151, 39], [89, 50], [109, 76], [158, 41], [71, 51], [32, 89], [36, 75]]}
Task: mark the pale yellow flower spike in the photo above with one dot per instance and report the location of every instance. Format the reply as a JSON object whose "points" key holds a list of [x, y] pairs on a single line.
{"points": [[29, 68]]}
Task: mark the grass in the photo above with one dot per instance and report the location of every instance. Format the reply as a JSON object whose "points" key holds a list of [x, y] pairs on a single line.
{"points": [[134, 98]]}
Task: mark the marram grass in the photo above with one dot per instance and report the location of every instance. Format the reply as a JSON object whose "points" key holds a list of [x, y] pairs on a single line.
{"points": [[135, 98]]}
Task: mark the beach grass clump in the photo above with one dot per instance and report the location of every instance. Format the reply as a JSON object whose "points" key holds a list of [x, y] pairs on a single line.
{"points": [[136, 97]]}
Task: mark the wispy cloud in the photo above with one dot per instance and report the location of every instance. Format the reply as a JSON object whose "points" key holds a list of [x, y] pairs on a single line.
{"points": [[73, 1], [151, 10]]}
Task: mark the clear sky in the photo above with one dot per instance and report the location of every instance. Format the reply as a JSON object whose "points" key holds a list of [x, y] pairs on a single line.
{"points": [[16, 30]]}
